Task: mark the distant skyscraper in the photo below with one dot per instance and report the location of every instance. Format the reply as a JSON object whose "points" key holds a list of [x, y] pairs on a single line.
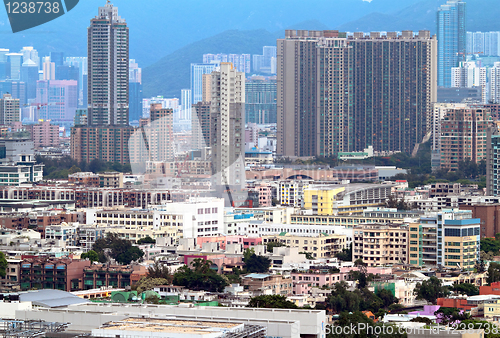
{"points": [[135, 73], [82, 64], [260, 100], [227, 127], [29, 75], [108, 82], [240, 61], [9, 110], [57, 100], [16, 60], [265, 63], [197, 71], [468, 75], [451, 35], [185, 113], [57, 58], [49, 70], [484, 43], [29, 53], [339, 94]]}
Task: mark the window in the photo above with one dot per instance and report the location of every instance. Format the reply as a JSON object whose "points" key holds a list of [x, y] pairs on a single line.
{"points": [[200, 211]]}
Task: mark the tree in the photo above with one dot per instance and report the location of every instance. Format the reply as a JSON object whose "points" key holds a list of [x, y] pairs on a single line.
{"points": [[3, 264], [117, 248], [431, 290], [493, 273], [272, 302], [362, 277], [152, 299], [387, 297], [91, 255], [450, 315], [424, 320], [159, 270], [490, 245], [479, 266], [74, 169], [148, 283], [271, 245], [200, 277], [146, 240], [345, 255], [254, 263], [466, 289]]}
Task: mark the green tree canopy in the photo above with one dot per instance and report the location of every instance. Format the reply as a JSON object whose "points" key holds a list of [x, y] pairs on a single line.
{"points": [[254, 263], [431, 290], [271, 245], [271, 301], [493, 273], [159, 270], [3, 264], [117, 248], [146, 240], [200, 277], [466, 289], [91, 255]]}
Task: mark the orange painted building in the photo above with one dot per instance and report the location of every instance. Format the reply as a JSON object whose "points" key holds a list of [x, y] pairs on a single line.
{"points": [[459, 303], [494, 289]]}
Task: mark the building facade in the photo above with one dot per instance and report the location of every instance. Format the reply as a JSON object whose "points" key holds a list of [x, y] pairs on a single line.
{"points": [[9, 110], [260, 100], [337, 93]]}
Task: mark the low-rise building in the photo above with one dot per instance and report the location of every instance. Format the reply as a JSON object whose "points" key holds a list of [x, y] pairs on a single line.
{"points": [[88, 179], [111, 180], [266, 284], [116, 276]]}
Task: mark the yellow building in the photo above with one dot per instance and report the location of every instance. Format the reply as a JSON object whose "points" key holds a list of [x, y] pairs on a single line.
{"points": [[321, 246], [333, 199], [492, 309], [322, 200]]}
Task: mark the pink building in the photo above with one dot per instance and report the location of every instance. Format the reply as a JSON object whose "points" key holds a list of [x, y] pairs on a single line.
{"points": [[57, 100], [318, 279], [265, 195], [374, 270], [44, 134], [224, 240]]}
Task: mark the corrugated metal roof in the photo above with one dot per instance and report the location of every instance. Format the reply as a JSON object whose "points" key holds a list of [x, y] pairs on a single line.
{"points": [[51, 298]]}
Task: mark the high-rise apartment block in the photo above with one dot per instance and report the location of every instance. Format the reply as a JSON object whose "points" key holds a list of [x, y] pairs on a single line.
{"points": [[227, 127], [451, 36], [265, 63], [9, 110], [495, 83], [484, 43], [108, 68], [44, 134], [154, 141], [464, 136], [260, 100], [338, 93], [107, 134], [240, 61], [468, 75], [200, 125], [135, 91]]}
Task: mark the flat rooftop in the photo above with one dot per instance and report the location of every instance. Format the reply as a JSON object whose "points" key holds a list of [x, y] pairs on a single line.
{"points": [[170, 325]]}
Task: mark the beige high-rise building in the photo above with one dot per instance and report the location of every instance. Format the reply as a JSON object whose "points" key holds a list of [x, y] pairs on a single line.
{"points": [[227, 127], [339, 93], [9, 110], [207, 87]]}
